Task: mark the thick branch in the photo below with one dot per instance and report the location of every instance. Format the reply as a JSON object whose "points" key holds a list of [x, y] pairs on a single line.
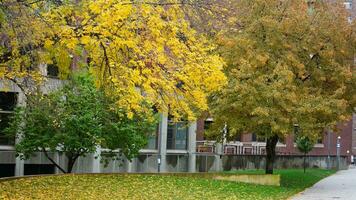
{"points": [[52, 161]]}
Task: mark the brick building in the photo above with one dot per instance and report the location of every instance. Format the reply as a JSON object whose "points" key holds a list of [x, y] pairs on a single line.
{"points": [[251, 145]]}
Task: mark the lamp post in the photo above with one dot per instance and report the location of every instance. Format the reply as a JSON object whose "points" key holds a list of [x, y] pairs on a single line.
{"points": [[338, 145], [224, 133], [159, 163], [329, 141]]}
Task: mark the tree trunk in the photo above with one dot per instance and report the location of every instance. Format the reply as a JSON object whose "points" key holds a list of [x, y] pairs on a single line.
{"points": [[71, 162], [52, 161], [271, 153], [304, 164], [70, 165]]}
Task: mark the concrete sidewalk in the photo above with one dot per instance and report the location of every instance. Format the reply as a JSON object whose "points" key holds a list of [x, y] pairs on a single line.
{"points": [[341, 186]]}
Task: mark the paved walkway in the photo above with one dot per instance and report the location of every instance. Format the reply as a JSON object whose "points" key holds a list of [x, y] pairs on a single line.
{"points": [[341, 186]]}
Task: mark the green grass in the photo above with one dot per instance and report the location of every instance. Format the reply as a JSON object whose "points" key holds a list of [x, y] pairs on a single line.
{"points": [[293, 180], [156, 187]]}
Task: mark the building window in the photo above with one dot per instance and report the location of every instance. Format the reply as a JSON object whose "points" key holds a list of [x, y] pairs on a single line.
{"points": [[177, 135], [207, 124], [319, 140], [256, 138], [152, 139], [238, 138], [52, 70], [8, 101]]}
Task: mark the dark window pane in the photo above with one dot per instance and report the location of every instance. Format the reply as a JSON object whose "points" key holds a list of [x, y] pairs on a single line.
{"points": [[7, 170], [238, 137], [52, 70], [207, 125], [170, 136], [319, 141], [256, 138], [33, 169], [8, 101], [4, 123]]}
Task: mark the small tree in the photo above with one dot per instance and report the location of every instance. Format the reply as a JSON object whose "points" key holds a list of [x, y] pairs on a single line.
{"points": [[74, 121], [304, 145]]}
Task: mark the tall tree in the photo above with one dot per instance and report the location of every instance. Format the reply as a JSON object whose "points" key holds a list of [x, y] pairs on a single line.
{"points": [[287, 63], [74, 121]]}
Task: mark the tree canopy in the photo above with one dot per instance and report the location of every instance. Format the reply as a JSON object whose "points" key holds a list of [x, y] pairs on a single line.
{"points": [[287, 64], [136, 50]]}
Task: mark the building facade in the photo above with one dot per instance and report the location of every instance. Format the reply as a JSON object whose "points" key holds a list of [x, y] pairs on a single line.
{"points": [[174, 147]]}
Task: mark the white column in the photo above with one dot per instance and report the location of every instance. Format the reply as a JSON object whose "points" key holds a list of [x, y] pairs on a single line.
{"points": [[96, 160], [19, 167], [20, 164], [130, 165], [192, 137], [218, 157], [162, 142]]}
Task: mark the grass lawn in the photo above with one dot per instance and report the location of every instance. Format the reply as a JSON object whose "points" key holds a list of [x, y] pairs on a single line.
{"points": [[156, 187]]}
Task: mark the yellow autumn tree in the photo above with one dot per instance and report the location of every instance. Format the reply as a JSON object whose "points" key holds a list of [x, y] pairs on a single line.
{"points": [[287, 63], [137, 51], [22, 36]]}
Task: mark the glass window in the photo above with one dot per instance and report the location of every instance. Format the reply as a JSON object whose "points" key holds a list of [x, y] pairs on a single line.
{"points": [[52, 70], [207, 125], [152, 139], [238, 137], [177, 135], [320, 140], [256, 138], [8, 101], [4, 122]]}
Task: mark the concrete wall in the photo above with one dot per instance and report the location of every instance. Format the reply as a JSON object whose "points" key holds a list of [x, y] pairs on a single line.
{"points": [[206, 163]]}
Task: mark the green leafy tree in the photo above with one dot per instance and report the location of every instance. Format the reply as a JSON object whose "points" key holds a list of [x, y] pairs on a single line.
{"points": [[285, 65], [74, 121], [304, 145]]}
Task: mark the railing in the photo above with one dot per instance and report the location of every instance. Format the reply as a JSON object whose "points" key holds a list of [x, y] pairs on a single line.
{"points": [[235, 148], [206, 146]]}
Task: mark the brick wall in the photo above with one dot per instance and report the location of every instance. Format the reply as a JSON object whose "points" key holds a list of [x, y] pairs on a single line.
{"points": [[346, 132]]}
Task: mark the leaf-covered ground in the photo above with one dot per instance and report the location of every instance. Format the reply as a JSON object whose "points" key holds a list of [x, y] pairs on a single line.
{"points": [[155, 187]]}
